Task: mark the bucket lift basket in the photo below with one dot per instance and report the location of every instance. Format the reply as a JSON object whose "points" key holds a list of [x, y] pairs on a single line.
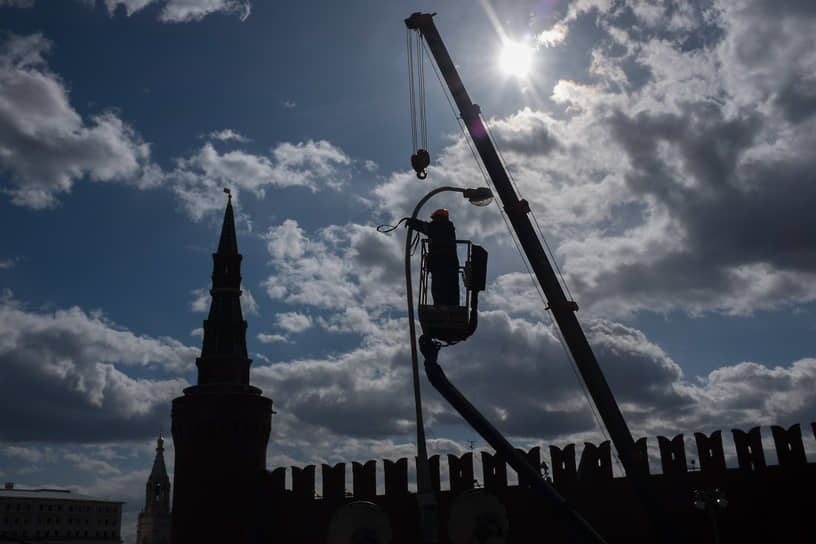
{"points": [[453, 324]]}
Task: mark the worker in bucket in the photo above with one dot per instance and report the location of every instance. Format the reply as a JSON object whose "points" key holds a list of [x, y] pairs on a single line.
{"points": [[443, 262]]}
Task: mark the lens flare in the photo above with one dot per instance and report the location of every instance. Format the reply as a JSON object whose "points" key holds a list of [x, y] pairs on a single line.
{"points": [[516, 59]]}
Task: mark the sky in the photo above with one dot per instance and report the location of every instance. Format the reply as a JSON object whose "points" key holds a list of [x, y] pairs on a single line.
{"points": [[665, 148]]}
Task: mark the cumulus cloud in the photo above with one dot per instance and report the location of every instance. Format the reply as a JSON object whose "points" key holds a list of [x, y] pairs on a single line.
{"points": [[293, 321], [553, 36], [676, 175], [74, 363], [338, 268], [198, 179], [184, 11], [515, 371], [227, 135], [271, 338], [45, 145]]}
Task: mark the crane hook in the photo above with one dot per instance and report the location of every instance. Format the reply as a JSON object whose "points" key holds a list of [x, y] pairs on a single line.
{"points": [[420, 161]]}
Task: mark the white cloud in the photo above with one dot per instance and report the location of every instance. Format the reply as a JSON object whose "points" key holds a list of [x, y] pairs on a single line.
{"points": [[184, 11], [271, 338], [71, 361], [227, 135], [198, 179], [248, 304], [341, 267], [553, 36], [33, 455], [45, 145], [89, 464], [201, 300], [293, 321]]}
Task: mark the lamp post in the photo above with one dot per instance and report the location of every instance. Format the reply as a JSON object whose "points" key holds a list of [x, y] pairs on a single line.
{"points": [[481, 196]]}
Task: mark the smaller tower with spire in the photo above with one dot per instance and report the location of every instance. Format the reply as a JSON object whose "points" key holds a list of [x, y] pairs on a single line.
{"points": [[155, 520]]}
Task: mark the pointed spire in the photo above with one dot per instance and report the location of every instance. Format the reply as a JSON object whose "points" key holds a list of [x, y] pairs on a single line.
{"points": [[228, 244], [159, 470], [224, 357], [157, 490]]}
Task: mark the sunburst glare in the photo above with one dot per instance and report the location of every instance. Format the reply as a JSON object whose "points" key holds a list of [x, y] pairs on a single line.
{"points": [[516, 59]]}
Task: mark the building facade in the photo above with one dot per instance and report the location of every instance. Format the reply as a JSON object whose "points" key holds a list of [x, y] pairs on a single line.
{"points": [[58, 515], [155, 523]]}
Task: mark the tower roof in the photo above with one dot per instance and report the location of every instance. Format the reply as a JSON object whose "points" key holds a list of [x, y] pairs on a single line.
{"points": [[159, 471], [228, 243], [224, 353]]}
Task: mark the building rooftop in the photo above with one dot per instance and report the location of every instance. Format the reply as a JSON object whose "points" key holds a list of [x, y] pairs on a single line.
{"points": [[10, 492]]}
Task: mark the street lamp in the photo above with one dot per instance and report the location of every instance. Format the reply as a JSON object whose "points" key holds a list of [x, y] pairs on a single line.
{"points": [[481, 196]]}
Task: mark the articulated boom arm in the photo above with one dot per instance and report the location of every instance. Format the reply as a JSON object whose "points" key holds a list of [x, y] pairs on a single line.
{"points": [[517, 211]]}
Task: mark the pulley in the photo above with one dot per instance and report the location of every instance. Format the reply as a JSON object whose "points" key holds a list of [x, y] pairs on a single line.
{"points": [[420, 161]]}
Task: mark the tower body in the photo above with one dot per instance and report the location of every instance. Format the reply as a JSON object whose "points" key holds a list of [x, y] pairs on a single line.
{"points": [[155, 520], [221, 425]]}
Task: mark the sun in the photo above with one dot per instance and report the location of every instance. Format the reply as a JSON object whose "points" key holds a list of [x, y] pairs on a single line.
{"points": [[516, 59]]}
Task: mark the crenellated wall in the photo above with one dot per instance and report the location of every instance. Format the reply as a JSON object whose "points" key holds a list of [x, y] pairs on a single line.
{"points": [[765, 503]]}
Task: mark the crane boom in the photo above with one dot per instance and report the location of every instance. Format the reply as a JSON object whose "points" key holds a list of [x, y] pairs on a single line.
{"points": [[517, 211]]}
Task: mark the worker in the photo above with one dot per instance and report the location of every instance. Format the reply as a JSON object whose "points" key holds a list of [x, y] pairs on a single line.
{"points": [[443, 262]]}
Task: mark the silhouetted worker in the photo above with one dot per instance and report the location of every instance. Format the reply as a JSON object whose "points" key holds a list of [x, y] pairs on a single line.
{"points": [[442, 259]]}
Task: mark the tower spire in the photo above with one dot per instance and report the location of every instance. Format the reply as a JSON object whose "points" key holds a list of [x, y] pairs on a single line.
{"points": [[224, 353], [154, 523], [228, 243], [221, 425]]}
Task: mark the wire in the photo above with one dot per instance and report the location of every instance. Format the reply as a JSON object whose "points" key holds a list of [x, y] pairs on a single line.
{"points": [[517, 244], [459, 122], [541, 236], [570, 359], [421, 69], [411, 91], [384, 228]]}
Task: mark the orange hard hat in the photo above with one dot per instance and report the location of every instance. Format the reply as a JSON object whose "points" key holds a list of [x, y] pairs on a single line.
{"points": [[441, 212]]}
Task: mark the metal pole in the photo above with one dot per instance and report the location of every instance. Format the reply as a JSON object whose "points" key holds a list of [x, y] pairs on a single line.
{"points": [[425, 496]]}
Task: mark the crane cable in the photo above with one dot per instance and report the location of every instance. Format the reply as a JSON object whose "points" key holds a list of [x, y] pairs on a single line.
{"points": [[517, 244], [420, 158]]}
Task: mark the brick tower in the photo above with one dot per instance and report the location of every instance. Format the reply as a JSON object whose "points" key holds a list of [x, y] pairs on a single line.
{"points": [[221, 425]]}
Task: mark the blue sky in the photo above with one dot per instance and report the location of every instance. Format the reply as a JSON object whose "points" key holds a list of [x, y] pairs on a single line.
{"points": [[665, 148]]}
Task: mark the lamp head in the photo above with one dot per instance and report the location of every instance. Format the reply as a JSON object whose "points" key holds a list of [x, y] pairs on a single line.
{"points": [[481, 196]]}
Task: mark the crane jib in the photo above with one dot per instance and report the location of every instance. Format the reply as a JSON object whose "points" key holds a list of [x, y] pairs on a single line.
{"points": [[563, 310]]}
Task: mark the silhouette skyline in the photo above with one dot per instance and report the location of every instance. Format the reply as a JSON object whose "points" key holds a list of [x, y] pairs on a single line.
{"points": [[665, 154]]}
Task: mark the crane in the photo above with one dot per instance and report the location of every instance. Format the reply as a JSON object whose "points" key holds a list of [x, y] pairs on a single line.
{"points": [[563, 309]]}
